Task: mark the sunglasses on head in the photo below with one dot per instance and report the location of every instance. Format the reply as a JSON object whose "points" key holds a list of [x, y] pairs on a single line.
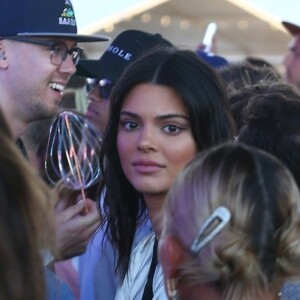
{"points": [[105, 86]]}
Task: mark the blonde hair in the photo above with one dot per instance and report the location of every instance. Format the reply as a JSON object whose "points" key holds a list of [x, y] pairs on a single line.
{"points": [[26, 226], [259, 248]]}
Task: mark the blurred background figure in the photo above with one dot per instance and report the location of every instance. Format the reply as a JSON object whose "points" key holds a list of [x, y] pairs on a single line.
{"points": [[292, 58], [240, 98], [270, 121], [258, 61], [214, 60], [242, 74], [207, 49], [102, 74], [212, 245]]}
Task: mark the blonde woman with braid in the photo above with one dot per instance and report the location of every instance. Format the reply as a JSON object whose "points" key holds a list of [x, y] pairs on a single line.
{"points": [[231, 227]]}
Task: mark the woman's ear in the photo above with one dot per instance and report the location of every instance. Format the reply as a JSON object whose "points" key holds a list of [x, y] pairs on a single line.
{"points": [[171, 255]]}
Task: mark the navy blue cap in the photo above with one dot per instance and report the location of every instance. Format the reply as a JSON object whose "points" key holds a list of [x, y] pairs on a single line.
{"points": [[41, 18], [212, 59], [123, 50]]}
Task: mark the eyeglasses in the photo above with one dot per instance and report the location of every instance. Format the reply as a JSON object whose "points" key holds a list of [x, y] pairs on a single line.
{"points": [[105, 86], [59, 50]]}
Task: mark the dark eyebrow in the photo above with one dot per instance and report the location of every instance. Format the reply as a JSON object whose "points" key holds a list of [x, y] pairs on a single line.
{"points": [[162, 117], [128, 113]]}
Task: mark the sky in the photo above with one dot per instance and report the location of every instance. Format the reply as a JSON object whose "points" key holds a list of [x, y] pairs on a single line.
{"points": [[282, 9], [86, 13]]}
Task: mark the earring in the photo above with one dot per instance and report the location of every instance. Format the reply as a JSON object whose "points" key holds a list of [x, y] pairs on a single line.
{"points": [[172, 289]]}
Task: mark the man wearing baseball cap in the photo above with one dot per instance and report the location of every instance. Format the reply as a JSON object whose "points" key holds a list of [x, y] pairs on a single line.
{"points": [[292, 58], [98, 279], [38, 55], [104, 72]]}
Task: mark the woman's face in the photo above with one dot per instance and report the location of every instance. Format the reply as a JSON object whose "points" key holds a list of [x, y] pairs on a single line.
{"points": [[154, 138]]}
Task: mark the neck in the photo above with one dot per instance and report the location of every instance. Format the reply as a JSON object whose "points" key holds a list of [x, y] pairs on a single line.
{"points": [[207, 291], [154, 205], [198, 292], [16, 125], [17, 129]]}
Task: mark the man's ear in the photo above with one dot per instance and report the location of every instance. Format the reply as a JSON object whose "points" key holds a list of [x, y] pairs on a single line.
{"points": [[3, 62], [171, 255]]}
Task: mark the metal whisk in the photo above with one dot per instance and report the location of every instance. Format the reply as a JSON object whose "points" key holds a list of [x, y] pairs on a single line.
{"points": [[73, 152]]}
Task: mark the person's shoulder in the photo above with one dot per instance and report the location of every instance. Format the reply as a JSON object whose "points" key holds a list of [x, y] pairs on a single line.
{"points": [[290, 290], [142, 253], [136, 277], [145, 244]]}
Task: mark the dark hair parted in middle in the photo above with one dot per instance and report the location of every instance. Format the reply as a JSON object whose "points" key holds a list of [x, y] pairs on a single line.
{"points": [[204, 97]]}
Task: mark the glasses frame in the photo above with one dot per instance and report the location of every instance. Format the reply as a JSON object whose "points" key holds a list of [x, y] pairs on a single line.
{"points": [[105, 86], [52, 44]]}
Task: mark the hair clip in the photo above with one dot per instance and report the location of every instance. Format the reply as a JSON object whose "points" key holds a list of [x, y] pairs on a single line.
{"points": [[211, 228]]}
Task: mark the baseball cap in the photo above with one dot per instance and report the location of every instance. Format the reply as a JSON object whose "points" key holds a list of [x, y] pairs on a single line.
{"points": [[215, 61], [41, 18], [293, 29], [124, 49]]}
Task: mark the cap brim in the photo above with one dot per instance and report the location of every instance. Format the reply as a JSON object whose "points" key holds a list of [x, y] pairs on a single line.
{"points": [[89, 68], [81, 38], [292, 28]]}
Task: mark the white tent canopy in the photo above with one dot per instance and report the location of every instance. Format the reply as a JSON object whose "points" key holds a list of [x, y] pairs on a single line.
{"points": [[243, 29]]}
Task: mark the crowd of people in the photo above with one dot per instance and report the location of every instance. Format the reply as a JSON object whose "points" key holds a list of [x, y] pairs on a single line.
{"points": [[200, 167]]}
